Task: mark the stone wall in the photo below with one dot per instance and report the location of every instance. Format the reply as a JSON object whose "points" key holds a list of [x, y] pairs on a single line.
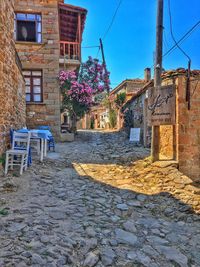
{"points": [[166, 133], [44, 56], [136, 108], [166, 142], [186, 133], [188, 128], [12, 87], [134, 86]]}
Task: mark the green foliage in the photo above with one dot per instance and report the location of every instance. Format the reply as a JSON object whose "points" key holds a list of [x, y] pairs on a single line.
{"points": [[2, 160], [3, 212], [128, 119], [92, 123], [119, 101], [113, 118], [100, 97], [73, 107], [106, 102]]}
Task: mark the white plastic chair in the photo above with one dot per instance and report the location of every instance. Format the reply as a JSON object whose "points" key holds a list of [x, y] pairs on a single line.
{"points": [[18, 154], [35, 141]]}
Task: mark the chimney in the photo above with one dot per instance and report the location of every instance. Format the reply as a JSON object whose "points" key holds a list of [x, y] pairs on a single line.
{"points": [[147, 74]]}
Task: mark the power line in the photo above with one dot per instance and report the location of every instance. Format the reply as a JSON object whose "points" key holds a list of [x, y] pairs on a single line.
{"points": [[170, 19], [91, 46], [97, 55], [165, 40], [183, 38], [113, 19], [186, 35]]}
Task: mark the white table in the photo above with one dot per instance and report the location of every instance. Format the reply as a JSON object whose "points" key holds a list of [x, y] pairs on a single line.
{"points": [[43, 135]]}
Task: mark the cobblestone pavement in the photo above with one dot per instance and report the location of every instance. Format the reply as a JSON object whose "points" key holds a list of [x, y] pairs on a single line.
{"points": [[99, 202]]}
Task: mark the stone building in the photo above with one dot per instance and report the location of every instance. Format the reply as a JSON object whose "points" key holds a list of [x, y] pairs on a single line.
{"points": [[131, 87], [182, 141], [137, 113], [128, 86], [48, 35], [12, 86]]}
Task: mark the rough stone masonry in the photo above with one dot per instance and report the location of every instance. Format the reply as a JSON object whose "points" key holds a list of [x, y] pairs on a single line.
{"points": [[89, 205], [12, 87]]}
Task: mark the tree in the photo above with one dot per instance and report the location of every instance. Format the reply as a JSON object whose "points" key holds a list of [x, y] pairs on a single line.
{"points": [[95, 75], [120, 99], [76, 97], [79, 89], [116, 102]]}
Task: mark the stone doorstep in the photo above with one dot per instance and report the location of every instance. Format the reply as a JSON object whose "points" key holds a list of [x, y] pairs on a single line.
{"points": [[67, 137], [166, 163]]}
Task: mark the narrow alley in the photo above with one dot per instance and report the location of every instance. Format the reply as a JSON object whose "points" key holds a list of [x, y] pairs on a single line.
{"points": [[99, 201]]}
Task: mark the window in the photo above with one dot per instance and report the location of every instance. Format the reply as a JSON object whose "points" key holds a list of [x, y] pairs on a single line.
{"points": [[33, 81], [28, 27]]}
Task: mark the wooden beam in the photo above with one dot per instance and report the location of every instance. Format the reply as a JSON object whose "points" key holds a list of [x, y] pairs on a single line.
{"points": [[79, 35]]}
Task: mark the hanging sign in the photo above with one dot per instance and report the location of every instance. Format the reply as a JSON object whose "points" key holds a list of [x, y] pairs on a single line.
{"points": [[161, 105]]}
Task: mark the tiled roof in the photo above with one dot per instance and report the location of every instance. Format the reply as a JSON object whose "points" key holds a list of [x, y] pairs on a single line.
{"points": [[73, 8], [141, 91], [179, 71], [123, 83], [166, 74]]}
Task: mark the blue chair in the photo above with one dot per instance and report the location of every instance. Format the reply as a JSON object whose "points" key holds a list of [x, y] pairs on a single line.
{"points": [[51, 141], [20, 147]]}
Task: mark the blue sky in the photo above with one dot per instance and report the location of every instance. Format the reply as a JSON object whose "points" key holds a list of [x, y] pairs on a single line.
{"points": [[130, 43]]}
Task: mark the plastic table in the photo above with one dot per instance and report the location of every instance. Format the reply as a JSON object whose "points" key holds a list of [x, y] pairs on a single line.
{"points": [[43, 135]]}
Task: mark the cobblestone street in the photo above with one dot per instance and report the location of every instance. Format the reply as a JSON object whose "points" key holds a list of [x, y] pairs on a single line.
{"points": [[99, 201]]}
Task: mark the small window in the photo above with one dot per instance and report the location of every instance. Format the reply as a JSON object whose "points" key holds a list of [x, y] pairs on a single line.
{"points": [[28, 27], [33, 81]]}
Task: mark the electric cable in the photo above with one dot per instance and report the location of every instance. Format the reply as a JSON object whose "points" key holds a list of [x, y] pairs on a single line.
{"points": [[181, 40], [165, 40], [113, 19], [171, 30], [186, 35], [91, 46]]}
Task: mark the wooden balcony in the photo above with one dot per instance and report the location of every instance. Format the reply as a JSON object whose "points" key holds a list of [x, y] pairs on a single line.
{"points": [[70, 52], [71, 24]]}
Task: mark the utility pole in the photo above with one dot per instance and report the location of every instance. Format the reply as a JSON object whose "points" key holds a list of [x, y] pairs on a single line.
{"points": [[104, 61], [157, 76]]}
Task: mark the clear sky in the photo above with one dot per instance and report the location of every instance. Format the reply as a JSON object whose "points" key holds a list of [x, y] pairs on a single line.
{"points": [[130, 44]]}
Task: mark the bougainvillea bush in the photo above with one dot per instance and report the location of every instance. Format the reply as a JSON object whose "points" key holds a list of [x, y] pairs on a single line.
{"points": [[78, 89], [95, 75], [76, 97]]}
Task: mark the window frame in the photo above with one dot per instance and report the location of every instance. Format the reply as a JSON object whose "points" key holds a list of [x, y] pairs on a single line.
{"points": [[31, 77], [36, 24]]}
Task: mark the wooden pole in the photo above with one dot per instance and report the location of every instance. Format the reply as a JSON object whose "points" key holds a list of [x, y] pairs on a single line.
{"points": [[104, 61], [157, 76], [102, 51]]}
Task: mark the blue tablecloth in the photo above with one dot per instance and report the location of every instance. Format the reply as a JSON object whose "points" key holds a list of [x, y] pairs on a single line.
{"points": [[35, 133]]}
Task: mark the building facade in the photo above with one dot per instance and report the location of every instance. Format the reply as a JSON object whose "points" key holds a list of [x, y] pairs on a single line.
{"points": [[48, 35], [136, 113], [182, 141], [12, 84]]}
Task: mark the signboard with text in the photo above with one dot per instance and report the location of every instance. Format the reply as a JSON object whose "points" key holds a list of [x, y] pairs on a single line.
{"points": [[135, 135], [161, 105]]}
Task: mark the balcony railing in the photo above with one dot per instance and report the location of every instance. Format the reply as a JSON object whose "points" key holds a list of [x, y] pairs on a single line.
{"points": [[70, 50]]}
